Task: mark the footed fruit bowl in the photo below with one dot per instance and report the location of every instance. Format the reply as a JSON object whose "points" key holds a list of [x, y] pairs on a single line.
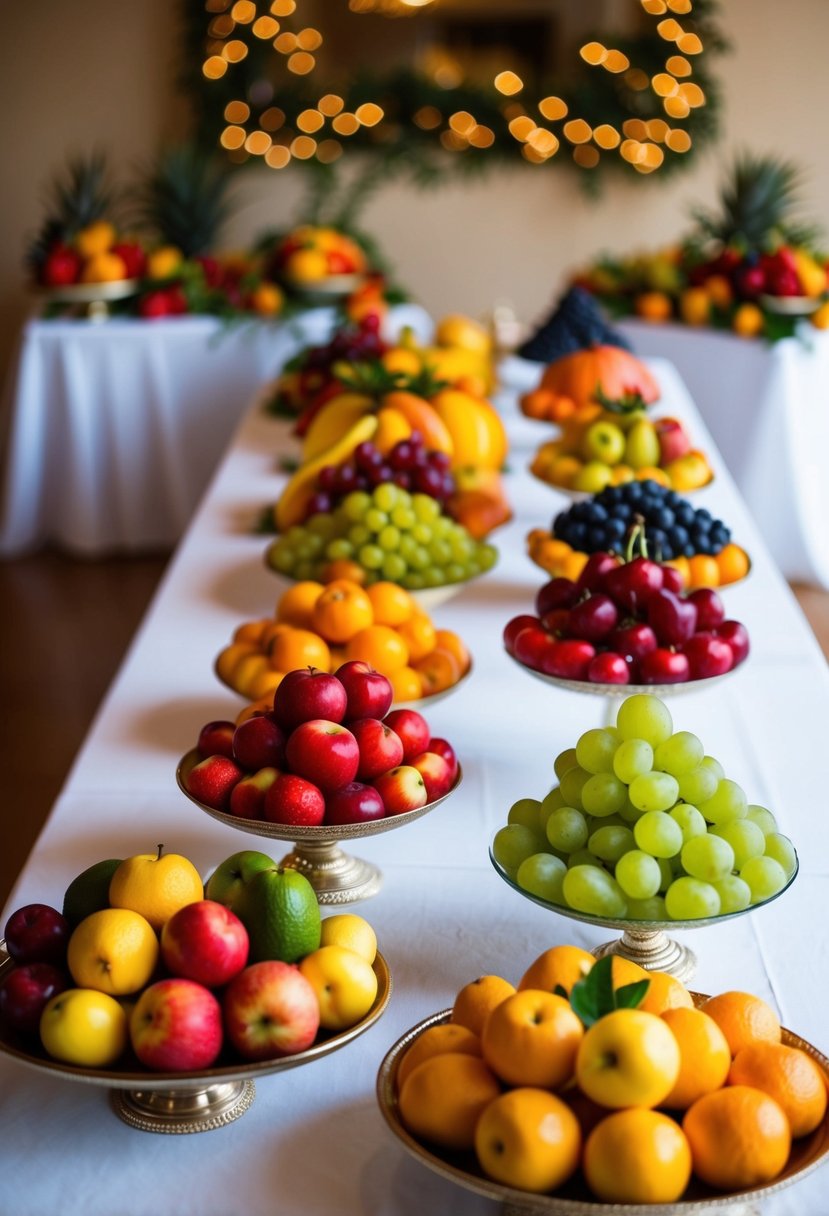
{"points": [[574, 1199], [624, 690], [646, 942], [336, 876], [92, 298], [186, 1102]]}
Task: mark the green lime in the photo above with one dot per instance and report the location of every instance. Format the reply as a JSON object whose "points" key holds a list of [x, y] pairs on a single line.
{"points": [[89, 892], [279, 909]]}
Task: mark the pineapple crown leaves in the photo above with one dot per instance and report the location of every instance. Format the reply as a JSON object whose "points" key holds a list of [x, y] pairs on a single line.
{"points": [[77, 194], [184, 198], [594, 996], [756, 200], [630, 402], [374, 379]]}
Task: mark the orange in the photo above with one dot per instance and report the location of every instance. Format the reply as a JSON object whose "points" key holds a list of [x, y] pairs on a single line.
{"points": [[341, 610], [392, 604], [380, 646], [248, 672], [475, 1000], [297, 603], [419, 635], [97, 237], [251, 631], [719, 290], [732, 563], [447, 640], [307, 266], [652, 306], [748, 321], [434, 1042], [443, 1098], [664, 992], [563, 470], [652, 472], [528, 1138], [155, 885], [104, 268], [113, 951], [789, 1076], [703, 571], [625, 971], [343, 567], [266, 299], [162, 263], [573, 564], [299, 648], [704, 1057], [406, 684], [264, 684], [637, 1156], [628, 1058], [739, 1137], [273, 630], [532, 1038], [743, 1019], [588, 1112], [438, 671], [228, 659], [560, 965]]}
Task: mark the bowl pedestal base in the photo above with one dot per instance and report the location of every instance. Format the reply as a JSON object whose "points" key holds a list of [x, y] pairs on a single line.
{"points": [[336, 876], [180, 1111], [654, 950]]}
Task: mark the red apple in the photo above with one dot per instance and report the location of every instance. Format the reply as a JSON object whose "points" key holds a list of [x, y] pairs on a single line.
{"points": [[133, 257], [443, 748], [354, 803], [247, 798], [294, 800], [323, 752], [402, 789], [37, 933], [380, 747], [436, 774], [412, 729], [26, 993], [205, 942], [369, 693], [673, 439], [176, 1026], [212, 780], [154, 304], [307, 694], [216, 739], [270, 1010], [514, 627], [61, 268], [258, 743]]}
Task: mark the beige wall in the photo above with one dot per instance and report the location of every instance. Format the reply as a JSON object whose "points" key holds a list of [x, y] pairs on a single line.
{"points": [[96, 72]]}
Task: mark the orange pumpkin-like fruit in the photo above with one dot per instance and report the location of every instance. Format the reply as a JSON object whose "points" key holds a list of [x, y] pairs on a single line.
{"points": [[579, 380]]}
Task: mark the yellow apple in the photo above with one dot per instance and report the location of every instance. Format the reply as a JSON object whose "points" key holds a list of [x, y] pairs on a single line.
{"points": [[84, 1027], [345, 985], [628, 1058]]}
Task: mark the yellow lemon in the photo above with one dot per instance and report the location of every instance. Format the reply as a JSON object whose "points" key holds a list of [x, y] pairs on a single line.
{"points": [[352, 932], [457, 330], [114, 951], [307, 266], [95, 238], [156, 885], [345, 985], [163, 262], [84, 1027]]}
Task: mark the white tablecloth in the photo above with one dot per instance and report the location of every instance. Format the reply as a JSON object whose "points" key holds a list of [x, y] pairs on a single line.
{"points": [[767, 407], [115, 429], [314, 1143]]}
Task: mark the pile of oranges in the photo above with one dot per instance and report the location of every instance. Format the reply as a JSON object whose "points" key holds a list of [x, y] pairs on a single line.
{"points": [[323, 626], [639, 1096]]}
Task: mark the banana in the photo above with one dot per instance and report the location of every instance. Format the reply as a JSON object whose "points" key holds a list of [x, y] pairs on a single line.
{"points": [[477, 433], [290, 509], [333, 421]]}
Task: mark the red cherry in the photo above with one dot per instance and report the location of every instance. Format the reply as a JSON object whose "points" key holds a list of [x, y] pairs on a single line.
{"points": [[514, 627], [672, 579], [736, 635], [632, 584], [593, 618], [557, 622], [672, 619], [592, 577], [709, 606], [707, 656], [568, 660], [663, 666], [608, 668], [532, 646], [558, 593], [633, 641]]}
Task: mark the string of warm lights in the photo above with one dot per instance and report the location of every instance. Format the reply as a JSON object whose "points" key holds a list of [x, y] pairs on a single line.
{"points": [[291, 120]]}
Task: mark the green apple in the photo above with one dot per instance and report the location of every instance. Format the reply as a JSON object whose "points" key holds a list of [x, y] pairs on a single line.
{"points": [[642, 446], [279, 909], [226, 883], [592, 477], [89, 891], [604, 441]]}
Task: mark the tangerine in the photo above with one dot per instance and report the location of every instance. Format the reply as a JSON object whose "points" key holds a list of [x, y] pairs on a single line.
{"points": [[406, 684], [665, 992], [739, 1137], [419, 634], [251, 631], [391, 603], [743, 1019], [788, 1075], [443, 1098], [341, 610], [299, 648], [558, 966], [532, 1039], [703, 571], [475, 1000], [438, 671], [528, 1138], [637, 1156], [228, 659], [297, 603], [732, 563], [447, 640], [704, 1057], [379, 646], [447, 1037]]}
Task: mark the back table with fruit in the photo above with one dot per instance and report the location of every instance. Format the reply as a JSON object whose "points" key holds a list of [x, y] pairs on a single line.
{"points": [[315, 1142]]}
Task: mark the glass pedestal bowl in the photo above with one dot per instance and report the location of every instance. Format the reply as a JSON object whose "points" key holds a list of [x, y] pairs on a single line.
{"points": [[179, 1103], [336, 876], [574, 1199], [646, 942]]}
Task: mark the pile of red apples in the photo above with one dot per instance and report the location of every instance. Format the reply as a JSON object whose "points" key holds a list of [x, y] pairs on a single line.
{"points": [[328, 753]]}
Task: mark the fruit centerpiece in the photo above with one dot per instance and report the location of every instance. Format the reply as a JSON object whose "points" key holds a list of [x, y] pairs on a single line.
{"points": [[596, 1082], [328, 762], [325, 626], [690, 539], [747, 267], [313, 258], [645, 828], [626, 622], [175, 993]]}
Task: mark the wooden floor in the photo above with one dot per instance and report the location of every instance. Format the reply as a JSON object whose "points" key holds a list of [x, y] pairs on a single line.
{"points": [[66, 626]]}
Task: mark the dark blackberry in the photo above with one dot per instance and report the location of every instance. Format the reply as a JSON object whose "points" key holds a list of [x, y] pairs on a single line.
{"points": [[595, 513], [596, 538], [685, 514], [664, 517], [679, 537], [576, 323]]}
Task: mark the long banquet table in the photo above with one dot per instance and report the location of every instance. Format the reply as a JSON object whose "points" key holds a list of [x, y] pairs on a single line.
{"points": [[314, 1142]]}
